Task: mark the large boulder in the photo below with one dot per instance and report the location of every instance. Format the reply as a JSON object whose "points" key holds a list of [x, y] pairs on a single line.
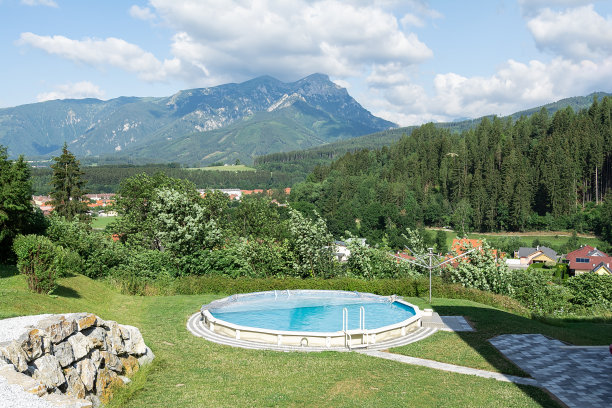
{"points": [[48, 371], [12, 353], [81, 345], [58, 328], [64, 353], [97, 335]]}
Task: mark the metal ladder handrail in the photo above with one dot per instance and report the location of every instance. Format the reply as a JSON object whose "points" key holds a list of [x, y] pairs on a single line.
{"points": [[364, 333], [348, 338]]}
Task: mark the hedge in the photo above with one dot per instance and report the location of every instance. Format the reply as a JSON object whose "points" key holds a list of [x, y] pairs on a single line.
{"points": [[410, 287]]}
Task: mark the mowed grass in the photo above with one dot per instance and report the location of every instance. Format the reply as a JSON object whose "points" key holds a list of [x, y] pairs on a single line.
{"points": [[233, 167], [101, 222], [190, 371]]}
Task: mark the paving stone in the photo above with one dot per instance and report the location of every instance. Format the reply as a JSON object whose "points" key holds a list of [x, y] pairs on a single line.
{"points": [[579, 377]]}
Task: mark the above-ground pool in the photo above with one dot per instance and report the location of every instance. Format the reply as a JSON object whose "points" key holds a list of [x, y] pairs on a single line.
{"points": [[313, 318]]}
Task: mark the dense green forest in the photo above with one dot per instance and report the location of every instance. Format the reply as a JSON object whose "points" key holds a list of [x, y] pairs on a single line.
{"points": [[106, 179], [301, 162], [538, 173]]}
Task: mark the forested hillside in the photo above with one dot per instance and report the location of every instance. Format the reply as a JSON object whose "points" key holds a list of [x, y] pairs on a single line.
{"points": [[539, 172], [300, 163]]}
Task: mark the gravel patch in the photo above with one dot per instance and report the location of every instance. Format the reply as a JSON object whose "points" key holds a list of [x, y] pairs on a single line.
{"points": [[13, 396], [11, 329]]}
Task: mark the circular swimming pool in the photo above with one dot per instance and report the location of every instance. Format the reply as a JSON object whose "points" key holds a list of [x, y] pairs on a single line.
{"points": [[307, 318]]}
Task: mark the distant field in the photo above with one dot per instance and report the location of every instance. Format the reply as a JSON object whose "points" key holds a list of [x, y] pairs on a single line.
{"points": [[101, 222], [556, 238], [238, 167]]}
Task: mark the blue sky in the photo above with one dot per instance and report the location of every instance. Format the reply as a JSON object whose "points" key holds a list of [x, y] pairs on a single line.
{"points": [[409, 61]]}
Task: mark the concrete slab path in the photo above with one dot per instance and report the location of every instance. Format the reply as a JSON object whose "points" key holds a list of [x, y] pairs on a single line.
{"points": [[450, 367]]}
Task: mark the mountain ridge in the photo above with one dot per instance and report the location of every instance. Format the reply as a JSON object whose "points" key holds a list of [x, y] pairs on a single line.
{"points": [[93, 127]]}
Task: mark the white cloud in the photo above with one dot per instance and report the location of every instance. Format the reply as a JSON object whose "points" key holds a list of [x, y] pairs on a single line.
{"points": [[514, 87], [532, 7], [79, 90], [217, 42], [286, 37], [48, 3], [141, 13], [410, 19], [576, 33], [110, 51]]}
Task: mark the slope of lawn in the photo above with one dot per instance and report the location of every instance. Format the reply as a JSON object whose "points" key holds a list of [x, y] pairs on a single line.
{"points": [[190, 371]]}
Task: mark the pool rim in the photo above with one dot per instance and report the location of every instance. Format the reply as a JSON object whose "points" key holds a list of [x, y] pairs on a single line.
{"points": [[209, 318]]}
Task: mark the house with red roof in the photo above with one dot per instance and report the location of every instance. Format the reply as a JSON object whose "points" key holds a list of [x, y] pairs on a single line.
{"points": [[589, 259], [465, 244]]}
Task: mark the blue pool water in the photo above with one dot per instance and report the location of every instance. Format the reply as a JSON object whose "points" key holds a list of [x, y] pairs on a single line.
{"points": [[313, 314]]}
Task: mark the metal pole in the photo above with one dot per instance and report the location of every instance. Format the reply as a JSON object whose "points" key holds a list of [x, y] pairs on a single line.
{"points": [[430, 256]]}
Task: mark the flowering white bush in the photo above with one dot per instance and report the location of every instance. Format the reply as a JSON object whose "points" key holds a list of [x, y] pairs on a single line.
{"points": [[482, 270], [311, 245]]}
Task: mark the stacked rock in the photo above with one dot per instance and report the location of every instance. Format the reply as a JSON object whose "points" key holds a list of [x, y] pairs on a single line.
{"points": [[74, 359]]}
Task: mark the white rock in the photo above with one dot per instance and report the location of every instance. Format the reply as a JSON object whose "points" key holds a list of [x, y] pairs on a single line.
{"points": [[47, 370], [132, 339], [81, 345], [64, 353], [147, 357], [87, 372]]}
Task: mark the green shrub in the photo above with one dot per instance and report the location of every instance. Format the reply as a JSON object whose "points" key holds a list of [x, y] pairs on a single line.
{"points": [[223, 261], [104, 256], [590, 290], [68, 262], [374, 263], [534, 289], [561, 272], [263, 258], [36, 259], [100, 255], [73, 235], [150, 265]]}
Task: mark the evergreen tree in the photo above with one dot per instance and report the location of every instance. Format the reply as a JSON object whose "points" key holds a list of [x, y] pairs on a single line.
{"points": [[17, 215], [68, 188]]}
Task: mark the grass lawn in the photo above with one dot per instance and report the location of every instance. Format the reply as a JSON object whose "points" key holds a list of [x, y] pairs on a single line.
{"points": [[233, 167], [101, 222], [190, 371]]}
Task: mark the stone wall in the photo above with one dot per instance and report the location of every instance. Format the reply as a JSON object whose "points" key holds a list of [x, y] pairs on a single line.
{"points": [[74, 359]]}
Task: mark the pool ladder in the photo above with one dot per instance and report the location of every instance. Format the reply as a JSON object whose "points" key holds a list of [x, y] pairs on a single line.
{"points": [[348, 338]]}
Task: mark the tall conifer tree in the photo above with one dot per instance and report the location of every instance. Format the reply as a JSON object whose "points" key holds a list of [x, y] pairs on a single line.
{"points": [[16, 211], [68, 188]]}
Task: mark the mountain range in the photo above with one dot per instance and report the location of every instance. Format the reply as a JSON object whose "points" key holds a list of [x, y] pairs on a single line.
{"points": [[196, 126]]}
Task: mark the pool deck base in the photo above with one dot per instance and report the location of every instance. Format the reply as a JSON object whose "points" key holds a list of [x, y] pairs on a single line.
{"points": [[196, 326]]}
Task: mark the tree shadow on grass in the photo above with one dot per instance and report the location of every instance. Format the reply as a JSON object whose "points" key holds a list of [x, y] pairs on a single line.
{"points": [[7, 271], [490, 323], [65, 291]]}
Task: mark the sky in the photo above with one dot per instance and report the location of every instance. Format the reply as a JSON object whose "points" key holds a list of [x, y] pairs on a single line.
{"points": [[408, 61]]}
